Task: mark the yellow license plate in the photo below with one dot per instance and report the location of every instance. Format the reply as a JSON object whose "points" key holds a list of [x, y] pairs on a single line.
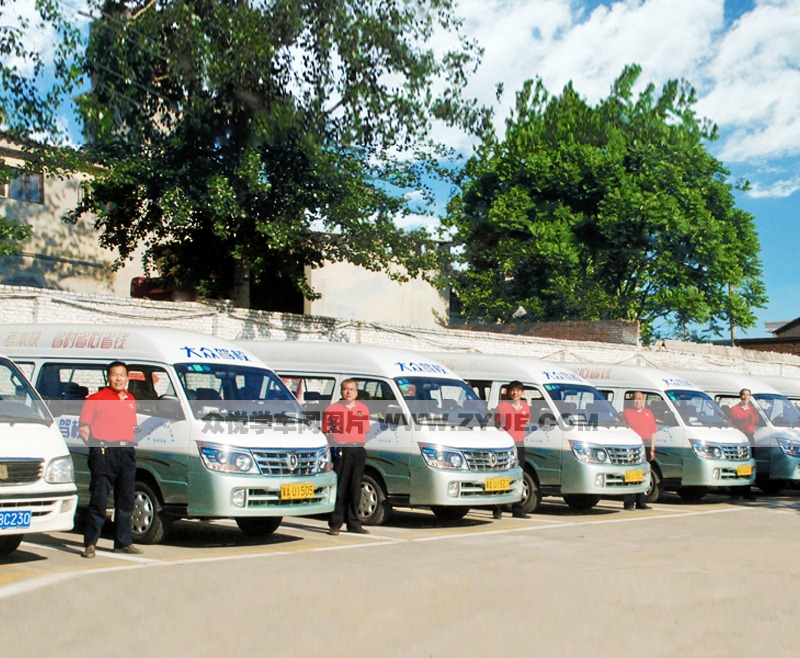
{"points": [[297, 491], [3, 472], [634, 476], [745, 470], [497, 484]]}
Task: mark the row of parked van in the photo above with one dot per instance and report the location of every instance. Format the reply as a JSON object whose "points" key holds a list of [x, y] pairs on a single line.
{"points": [[231, 430]]}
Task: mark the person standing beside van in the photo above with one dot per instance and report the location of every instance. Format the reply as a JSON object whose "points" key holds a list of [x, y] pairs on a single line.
{"points": [[513, 416], [346, 424], [744, 418], [641, 420], [106, 425]]}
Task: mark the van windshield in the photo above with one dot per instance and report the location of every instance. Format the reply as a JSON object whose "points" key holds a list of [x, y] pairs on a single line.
{"points": [[779, 410], [18, 401], [697, 409], [434, 401], [581, 404], [238, 393]]}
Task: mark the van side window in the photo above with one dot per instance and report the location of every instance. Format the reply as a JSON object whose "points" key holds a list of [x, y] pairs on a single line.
{"points": [[155, 395], [313, 393], [378, 397], [655, 403], [65, 386]]}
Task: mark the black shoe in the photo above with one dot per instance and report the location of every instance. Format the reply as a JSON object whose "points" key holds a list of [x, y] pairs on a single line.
{"points": [[643, 507], [89, 551], [627, 507], [333, 531], [520, 515], [360, 530], [497, 514]]}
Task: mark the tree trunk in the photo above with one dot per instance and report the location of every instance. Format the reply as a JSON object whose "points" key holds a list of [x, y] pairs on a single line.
{"points": [[241, 284]]}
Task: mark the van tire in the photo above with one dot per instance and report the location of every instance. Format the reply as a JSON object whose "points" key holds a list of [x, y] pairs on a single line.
{"points": [[581, 501], [450, 512], [258, 526], [772, 487], [150, 524], [373, 508], [531, 493], [692, 494], [9, 543], [656, 489]]}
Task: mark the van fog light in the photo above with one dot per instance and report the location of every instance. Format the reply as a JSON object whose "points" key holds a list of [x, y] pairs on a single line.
{"points": [[454, 489], [600, 480], [239, 497], [715, 474]]}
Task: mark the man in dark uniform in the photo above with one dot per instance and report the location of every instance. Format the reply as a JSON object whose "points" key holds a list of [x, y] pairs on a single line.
{"points": [[346, 424], [107, 423]]}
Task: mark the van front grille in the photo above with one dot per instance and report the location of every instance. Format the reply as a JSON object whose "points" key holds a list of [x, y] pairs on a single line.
{"points": [[489, 460], [20, 471]]}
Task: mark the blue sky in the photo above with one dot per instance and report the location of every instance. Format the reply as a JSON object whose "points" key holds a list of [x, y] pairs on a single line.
{"points": [[742, 56]]}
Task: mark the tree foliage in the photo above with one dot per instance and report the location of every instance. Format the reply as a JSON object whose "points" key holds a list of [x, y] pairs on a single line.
{"points": [[32, 88], [612, 211], [264, 137]]}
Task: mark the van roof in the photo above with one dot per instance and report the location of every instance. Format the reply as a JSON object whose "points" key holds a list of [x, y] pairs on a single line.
{"points": [[633, 376], [789, 386], [506, 368], [126, 343], [727, 382], [346, 358]]}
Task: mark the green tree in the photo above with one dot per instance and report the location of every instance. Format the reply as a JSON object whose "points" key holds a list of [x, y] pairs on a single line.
{"points": [[32, 88], [612, 211], [245, 140]]}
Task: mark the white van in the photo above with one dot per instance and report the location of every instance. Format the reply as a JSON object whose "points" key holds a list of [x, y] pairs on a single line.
{"points": [[207, 445], [37, 487], [777, 438], [577, 446], [696, 447], [429, 444]]}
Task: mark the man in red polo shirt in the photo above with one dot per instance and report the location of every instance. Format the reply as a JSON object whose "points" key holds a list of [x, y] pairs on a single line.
{"points": [[641, 420], [346, 424], [513, 415], [107, 422]]}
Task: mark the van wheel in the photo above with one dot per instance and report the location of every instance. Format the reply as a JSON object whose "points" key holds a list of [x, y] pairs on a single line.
{"points": [[531, 494], [692, 494], [9, 543], [258, 526], [772, 487], [581, 501], [150, 524], [373, 508], [656, 486]]}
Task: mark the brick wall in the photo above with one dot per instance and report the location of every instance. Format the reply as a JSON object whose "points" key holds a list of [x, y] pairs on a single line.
{"points": [[36, 305]]}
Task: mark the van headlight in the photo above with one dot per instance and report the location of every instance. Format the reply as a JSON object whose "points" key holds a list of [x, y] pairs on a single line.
{"points": [[789, 447], [706, 450], [227, 460], [589, 452], [440, 457], [60, 471], [324, 463]]}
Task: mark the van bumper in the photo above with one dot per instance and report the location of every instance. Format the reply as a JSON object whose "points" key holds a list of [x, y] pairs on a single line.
{"points": [[49, 513], [782, 466], [699, 472], [434, 486], [603, 479], [221, 495]]}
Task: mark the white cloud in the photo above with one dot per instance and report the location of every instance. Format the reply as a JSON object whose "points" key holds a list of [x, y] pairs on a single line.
{"points": [[779, 189]]}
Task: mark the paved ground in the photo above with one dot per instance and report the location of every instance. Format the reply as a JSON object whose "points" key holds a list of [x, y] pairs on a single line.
{"points": [[712, 579]]}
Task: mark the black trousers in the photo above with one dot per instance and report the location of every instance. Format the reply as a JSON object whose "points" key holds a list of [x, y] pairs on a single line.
{"points": [[112, 469], [349, 468]]}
